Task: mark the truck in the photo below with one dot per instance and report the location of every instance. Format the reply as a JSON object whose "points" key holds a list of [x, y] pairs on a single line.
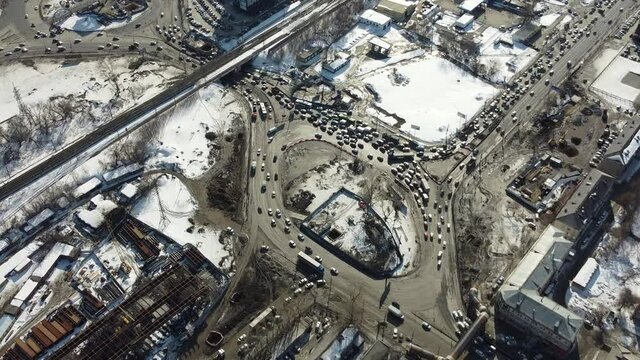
{"points": [[253, 168], [263, 110], [308, 261], [394, 311]]}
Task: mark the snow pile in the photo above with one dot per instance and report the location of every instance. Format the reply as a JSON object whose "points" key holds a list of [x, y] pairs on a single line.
{"points": [[170, 210], [96, 217], [440, 96], [91, 22], [182, 140]]}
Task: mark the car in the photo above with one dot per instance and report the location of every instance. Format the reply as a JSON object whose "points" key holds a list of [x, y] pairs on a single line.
{"points": [[318, 259], [270, 212], [334, 271], [287, 299], [440, 254], [448, 227], [439, 264], [302, 281], [262, 167], [275, 158], [287, 221], [444, 244], [268, 176], [273, 194], [300, 237], [320, 283], [297, 291], [8, 53], [278, 213], [273, 222], [292, 244], [47, 50], [395, 333], [426, 326], [258, 152], [309, 286], [100, 47]]}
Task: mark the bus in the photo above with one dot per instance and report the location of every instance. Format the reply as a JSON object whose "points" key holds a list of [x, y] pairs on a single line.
{"points": [[310, 262], [396, 312], [263, 110]]}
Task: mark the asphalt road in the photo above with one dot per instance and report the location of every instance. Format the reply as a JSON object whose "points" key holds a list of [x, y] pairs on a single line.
{"points": [[433, 305]]}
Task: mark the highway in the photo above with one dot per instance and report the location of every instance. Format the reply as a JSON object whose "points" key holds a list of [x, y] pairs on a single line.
{"points": [[129, 120]]}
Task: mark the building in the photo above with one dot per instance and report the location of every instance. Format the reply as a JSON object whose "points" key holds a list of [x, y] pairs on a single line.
{"points": [[39, 221], [122, 174], [464, 21], [128, 192], [581, 280], [622, 158], [397, 10], [585, 204], [96, 218], [86, 189], [379, 46], [305, 56], [528, 33], [520, 302], [339, 63], [59, 252], [375, 19], [469, 6]]}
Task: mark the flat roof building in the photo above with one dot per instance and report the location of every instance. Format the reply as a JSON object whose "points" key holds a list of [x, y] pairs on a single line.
{"points": [[528, 33], [581, 280], [375, 19], [470, 5], [520, 302], [397, 10], [464, 21], [379, 46]]}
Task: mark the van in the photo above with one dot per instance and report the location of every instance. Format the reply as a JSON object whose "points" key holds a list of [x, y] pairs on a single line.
{"points": [[264, 186], [396, 312]]}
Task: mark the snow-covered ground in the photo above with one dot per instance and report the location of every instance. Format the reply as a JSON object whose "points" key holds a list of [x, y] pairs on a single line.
{"points": [[349, 337], [505, 60], [182, 140], [92, 87], [113, 256], [169, 209], [325, 183], [610, 82], [405, 232], [616, 270], [89, 23], [432, 94]]}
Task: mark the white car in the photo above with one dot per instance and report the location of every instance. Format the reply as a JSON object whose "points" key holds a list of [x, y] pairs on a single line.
{"points": [[292, 244], [444, 244], [395, 333], [278, 213], [440, 254], [262, 167], [300, 237], [268, 176], [318, 259], [273, 194], [334, 271], [287, 299], [270, 212], [297, 291], [439, 237]]}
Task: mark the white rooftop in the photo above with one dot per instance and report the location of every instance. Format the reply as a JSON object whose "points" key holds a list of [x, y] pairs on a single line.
{"points": [[129, 190], [87, 187], [120, 172], [95, 218], [59, 249], [470, 5], [42, 216], [586, 272], [379, 42], [375, 17], [464, 21]]}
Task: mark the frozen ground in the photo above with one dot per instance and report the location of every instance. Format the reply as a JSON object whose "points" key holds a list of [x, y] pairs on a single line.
{"points": [[90, 86], [617, 269], [169, 210], [182, 140], [610, 82], [432, 94], [113, 255], [89, 23]]}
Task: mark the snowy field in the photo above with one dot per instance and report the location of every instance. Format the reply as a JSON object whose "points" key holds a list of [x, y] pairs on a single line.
{"points": [[611, 82], [432, 94], [169, 209], [91, 88], [182, 140], [616, 270]]}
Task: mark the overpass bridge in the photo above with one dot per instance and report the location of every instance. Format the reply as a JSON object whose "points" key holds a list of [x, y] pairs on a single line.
{"points": [[66, 159]]}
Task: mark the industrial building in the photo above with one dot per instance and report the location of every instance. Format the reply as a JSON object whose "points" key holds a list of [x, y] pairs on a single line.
{"points": [[247, 5], [379, 47], [397, 10], [375, 19], [521, 302], [528, 33]]}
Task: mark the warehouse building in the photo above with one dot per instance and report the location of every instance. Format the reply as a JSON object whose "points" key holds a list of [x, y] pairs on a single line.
{"points": [[379, 47], [522, 305], [397, 10], [375, 19]]}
